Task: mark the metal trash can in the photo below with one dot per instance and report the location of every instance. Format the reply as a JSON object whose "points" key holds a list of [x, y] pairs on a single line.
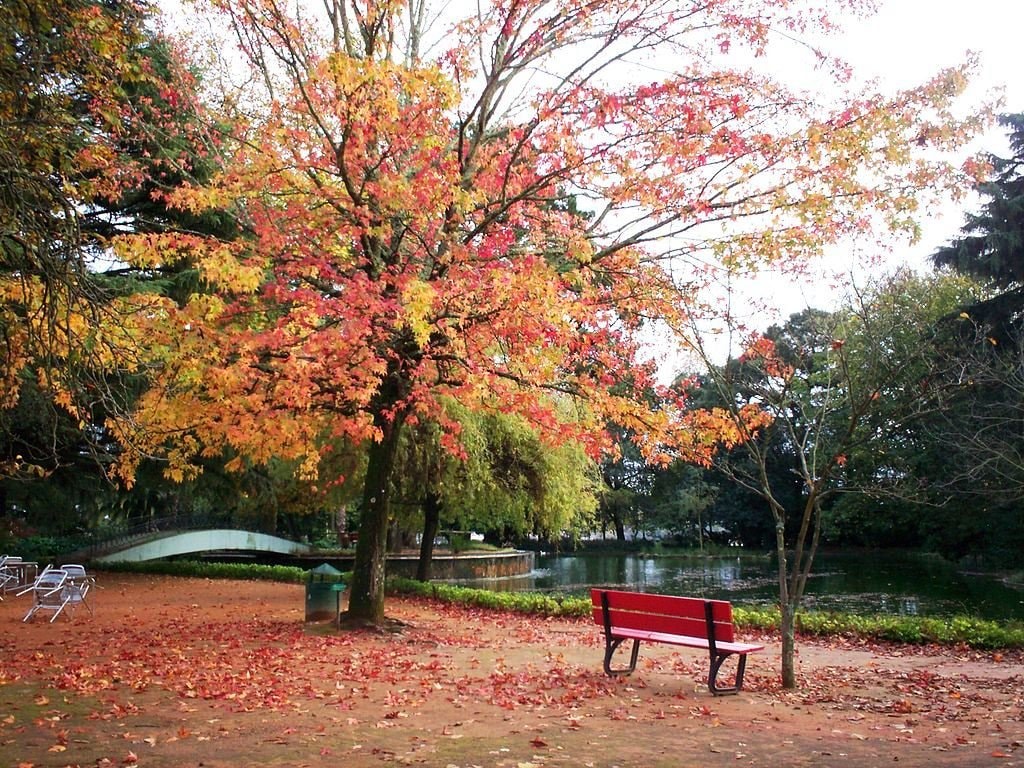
{"points": [[323, 593]]}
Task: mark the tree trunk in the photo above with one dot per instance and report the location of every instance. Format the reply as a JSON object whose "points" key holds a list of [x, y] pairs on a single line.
{"points": [[366, 599], [788, 629], [787, 607], [431, 523], [394, 545]]}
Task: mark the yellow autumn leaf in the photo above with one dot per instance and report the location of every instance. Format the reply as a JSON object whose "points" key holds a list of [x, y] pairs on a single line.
{"points": [[417, 307]]}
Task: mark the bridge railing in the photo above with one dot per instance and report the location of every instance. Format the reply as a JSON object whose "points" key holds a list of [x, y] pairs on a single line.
{"points": [[119, 536]]}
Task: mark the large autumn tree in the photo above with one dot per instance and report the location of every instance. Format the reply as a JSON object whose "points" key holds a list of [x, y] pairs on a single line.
{"points": [[410, 191]]}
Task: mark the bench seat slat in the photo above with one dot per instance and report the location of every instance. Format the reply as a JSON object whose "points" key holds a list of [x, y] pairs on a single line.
{"points": [[687, 640]]}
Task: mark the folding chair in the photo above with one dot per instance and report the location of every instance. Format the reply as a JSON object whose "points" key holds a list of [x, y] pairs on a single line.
{"points": [[49, 593], [77, 585], [8, 578], [16, 573]]}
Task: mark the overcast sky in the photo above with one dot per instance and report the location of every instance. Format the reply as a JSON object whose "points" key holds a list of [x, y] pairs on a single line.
{"points": [[907, 40], [910, 40], [903, 45]]}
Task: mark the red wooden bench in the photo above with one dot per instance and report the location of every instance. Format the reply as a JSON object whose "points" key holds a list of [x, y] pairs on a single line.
{"points": [[688, 621]]}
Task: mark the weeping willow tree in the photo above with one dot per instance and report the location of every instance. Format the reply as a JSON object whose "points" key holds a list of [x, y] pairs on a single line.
{"points": [[499, 477]]}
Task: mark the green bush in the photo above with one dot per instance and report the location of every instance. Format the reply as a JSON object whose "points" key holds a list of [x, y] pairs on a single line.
{"points": [[912, 630], [915, 630], [197, 569], [44, 549], [521, 602]]}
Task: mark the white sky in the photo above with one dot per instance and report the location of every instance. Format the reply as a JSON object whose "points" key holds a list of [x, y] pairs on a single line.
{"points": [[903, 45], [910, 40]]}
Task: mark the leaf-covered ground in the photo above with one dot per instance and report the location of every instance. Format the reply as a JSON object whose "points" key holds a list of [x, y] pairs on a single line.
{"points": [[186, 672]]}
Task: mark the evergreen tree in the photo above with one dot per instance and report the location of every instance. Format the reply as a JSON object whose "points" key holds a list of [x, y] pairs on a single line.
{"points": [[991, 245], [98, 124]]}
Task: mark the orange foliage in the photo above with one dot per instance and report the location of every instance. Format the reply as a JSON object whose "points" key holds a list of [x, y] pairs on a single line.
{"points": [[412, 233]]}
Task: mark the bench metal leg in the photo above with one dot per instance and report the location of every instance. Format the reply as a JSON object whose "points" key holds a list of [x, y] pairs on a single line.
{"points": [[716, 664], [610, 646]]}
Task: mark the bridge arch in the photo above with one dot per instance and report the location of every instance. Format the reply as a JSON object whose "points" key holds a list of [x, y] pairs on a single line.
{"points": [[215, 539]]}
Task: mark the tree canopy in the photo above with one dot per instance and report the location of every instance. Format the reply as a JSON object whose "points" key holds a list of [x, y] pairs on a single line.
{"points": [[98, 121], [409, 209], [406, 210]]}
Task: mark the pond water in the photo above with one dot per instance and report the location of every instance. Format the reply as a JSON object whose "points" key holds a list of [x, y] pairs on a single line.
{"points": [[864, 583]]}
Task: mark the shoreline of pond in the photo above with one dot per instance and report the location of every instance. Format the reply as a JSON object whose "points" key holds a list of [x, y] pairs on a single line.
{"points": [[863, 582], [653, 550], [749, 578]]}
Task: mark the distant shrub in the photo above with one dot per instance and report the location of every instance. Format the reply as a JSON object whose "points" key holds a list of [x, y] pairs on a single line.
{"points": [[521, 602], [198, 569], [44, 549], [915, 630]]}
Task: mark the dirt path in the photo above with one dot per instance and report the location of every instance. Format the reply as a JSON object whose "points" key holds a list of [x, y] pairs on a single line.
{"points": [[173, 672]]}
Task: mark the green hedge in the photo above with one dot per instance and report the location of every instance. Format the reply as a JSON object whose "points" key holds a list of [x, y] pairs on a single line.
{"points": [[916, 630], [522, 602], [243, 571], [957, 630]]}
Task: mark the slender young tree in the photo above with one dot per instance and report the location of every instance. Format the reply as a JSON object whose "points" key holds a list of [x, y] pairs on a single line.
{"points": [[816, 391]]}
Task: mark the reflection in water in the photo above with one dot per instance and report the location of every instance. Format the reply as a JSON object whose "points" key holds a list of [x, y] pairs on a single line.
{"points": [[858, 583]]}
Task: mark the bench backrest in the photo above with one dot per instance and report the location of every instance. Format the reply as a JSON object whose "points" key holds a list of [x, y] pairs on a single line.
{"points": [[663, 613]]}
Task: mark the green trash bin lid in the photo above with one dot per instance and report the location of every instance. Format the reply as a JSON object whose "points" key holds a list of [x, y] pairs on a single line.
{"points": [[325, 572]]}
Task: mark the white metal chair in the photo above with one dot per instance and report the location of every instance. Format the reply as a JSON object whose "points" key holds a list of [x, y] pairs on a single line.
{"points": [[49, 593], [8, 578], [77, 585], [16, 573]]}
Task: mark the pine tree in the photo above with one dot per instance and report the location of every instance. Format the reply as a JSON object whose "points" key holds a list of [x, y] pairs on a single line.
{"points": [[991, 245]]}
